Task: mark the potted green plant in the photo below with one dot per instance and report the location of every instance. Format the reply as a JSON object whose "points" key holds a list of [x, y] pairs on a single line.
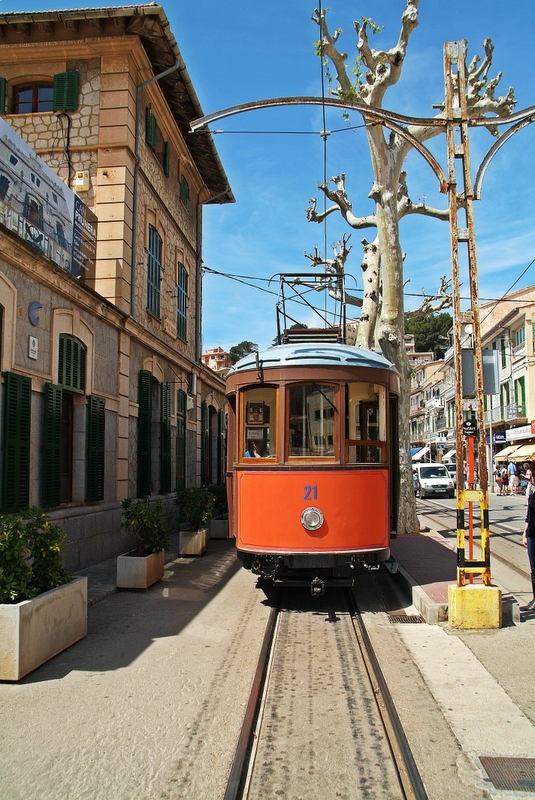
{"points": [[43, 610], [219, 521], [145, 563], [195, 509]]}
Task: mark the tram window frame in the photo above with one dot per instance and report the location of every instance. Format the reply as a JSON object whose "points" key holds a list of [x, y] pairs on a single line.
{"points": [[333, 404], [258, 421], [366, 450]]}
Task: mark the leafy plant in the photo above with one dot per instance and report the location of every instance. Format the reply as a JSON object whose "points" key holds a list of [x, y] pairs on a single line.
{"points": [[144, 519], [195, 506], [219, 493], [30, 556]]}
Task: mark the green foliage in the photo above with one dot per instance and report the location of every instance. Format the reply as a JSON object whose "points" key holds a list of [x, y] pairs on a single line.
{"points": [[430, 333], [195, 506], [219, 493], [30, 556], [240, 350], [144, 520]]}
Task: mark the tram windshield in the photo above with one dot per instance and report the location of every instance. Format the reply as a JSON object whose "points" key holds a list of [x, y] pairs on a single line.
{"points": [[366, 423], [259, 438], [311, 420]]}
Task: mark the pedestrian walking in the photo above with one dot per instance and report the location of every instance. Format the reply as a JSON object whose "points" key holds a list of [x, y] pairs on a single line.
{"points": [[514, 480], [504, 478], [528, 540]]}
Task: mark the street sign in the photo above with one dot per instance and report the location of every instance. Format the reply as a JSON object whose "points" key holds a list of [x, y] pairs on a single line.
{"points": [[469, 427]]}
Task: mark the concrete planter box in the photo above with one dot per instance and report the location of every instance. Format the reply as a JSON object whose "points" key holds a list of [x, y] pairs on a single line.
{"points": [[139, 572], [219, 529], [36, 630], [193, 543]]}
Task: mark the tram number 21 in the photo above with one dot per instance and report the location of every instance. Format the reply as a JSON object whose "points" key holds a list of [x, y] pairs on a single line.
{"points": [[311, 493]]}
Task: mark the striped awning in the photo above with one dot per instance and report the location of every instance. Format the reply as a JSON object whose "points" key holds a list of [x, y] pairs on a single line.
{"points": [[420, 454]]}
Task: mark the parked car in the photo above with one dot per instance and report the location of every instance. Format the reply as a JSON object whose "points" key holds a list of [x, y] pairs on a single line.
{"points": [[433, 480], [452, 469]]}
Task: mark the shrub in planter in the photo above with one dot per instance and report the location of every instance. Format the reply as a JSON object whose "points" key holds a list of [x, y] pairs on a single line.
{"points": [[144, 519], [195, 506], [30, 556], [219, 493]]}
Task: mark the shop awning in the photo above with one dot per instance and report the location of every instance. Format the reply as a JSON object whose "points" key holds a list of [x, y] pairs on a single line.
{"points": [[420, 454], [507, 452], [449, 454], [524, 453]]}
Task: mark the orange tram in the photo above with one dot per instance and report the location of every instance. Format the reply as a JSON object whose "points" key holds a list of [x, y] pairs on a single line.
{"points": [[312, 462]]}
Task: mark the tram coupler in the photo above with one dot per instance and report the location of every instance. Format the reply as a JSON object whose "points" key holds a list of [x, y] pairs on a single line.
{"points": [[317, 587]]}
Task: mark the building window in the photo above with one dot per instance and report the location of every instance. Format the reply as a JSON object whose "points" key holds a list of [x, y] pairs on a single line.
{"points": [[33, 211], [503, 343], [156, 141], [520, 337], [4, 186], [184, 192], [154, 271], [33, 98], [182, 303], [71, 364]]}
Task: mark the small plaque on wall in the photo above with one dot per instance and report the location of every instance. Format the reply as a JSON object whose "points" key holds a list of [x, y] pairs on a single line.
{"points": [[33, 346]]}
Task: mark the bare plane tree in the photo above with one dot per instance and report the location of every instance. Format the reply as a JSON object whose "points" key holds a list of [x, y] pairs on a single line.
{"points": [[382, 317]]}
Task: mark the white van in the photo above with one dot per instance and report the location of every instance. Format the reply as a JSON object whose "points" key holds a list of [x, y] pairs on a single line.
{"points": [[433, 480]]}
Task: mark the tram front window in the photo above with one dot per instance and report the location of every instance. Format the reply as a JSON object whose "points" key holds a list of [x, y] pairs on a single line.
{"points": [[366, 423], [259, 423], [312, 420]]}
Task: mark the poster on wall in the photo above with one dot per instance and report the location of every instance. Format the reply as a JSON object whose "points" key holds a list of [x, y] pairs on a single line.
{"points": [[37, 206]]}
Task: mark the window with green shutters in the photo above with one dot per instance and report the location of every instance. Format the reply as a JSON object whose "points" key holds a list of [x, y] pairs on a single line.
{"points": [[144, 433], [3, 85], [71, 363], [52, 422], [154, 271], [95, 448], [182, 303], [165, 438], [16, 443], [150, 129], [65, 91], [181, 439]]}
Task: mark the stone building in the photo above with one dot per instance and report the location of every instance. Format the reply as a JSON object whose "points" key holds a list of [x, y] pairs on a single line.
{"points": [[104, 392]]}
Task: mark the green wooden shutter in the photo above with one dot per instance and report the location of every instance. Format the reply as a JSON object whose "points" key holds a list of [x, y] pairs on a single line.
{"points": [[71, 363], [181, 404], [221, 446], [16, 455], [95, 448], [165, 439], [150, 129], [205, 444], [50, 487], [2, 95], [166, 158], [65, 94], [143, 433]]}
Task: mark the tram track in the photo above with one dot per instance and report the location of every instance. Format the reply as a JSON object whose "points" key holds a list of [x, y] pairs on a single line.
{"points": [[320, 717]]}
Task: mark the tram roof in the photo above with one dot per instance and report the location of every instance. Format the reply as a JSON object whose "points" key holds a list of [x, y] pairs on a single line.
{"points": [[300, 355]]}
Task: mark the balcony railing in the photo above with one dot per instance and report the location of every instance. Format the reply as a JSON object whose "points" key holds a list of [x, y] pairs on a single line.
{"points": [[516, 411]]}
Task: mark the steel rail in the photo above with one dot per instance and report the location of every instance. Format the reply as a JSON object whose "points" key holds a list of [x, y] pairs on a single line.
{"points": [[238, 772], [408, 772]]}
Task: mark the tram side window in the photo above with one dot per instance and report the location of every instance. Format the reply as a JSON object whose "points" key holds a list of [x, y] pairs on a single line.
{"points": [[312, 420], [366, 423], [259, 423]]}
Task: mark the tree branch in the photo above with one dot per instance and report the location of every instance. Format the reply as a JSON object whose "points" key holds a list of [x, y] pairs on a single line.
{"points": [[443, 299]]}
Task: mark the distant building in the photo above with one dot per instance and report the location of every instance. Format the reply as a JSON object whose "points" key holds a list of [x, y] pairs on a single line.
{"points": [[217, 360]]}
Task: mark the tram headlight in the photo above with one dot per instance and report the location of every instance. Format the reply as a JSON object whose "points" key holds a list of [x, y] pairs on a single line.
{"points": [[312, 519]]}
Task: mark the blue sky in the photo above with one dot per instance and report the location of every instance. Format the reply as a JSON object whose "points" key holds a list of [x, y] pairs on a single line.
{"points": [[241, 51]]}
